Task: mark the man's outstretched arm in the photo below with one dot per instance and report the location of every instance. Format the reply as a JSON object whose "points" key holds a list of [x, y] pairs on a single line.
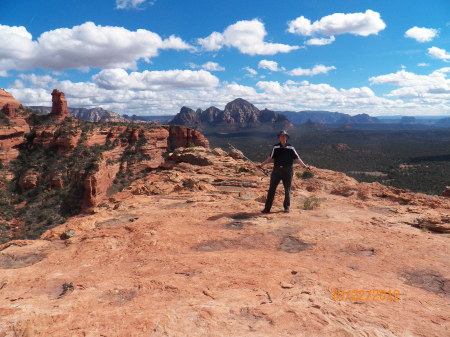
{"points": [[268, 160], [299, 161]]}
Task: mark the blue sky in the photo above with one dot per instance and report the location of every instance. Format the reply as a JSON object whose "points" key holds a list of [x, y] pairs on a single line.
{"points": [[147, 57]]}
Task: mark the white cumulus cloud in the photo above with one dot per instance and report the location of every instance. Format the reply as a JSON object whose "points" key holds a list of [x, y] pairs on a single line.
{"points": [[174, 42], [81, 47], [16, 43], [251, 72], [432, 98], [129, 4], [247, 37], [35, 80], [213, 42], [362, 24], [438, 53], [432, 88], [270, 65], [320, 41], [154, 80], [421, 34], [316, 70], [212, 66]]}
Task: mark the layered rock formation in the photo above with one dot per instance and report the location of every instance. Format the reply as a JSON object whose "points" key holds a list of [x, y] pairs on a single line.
{"points": [[59, 105], [64, 165], [9, 110], [185, 251], [238, 113], [121, 144], [7, 98], [10, 139]]}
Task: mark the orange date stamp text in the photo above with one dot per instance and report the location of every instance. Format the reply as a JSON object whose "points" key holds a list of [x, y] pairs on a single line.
{"points": [[366, 295]]}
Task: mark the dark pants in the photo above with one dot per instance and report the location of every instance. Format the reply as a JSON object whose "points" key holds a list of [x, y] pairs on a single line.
{"points": [[284, 174]]}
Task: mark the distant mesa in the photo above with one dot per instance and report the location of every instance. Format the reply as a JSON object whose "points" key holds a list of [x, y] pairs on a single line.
{"points": [[239, 113]]}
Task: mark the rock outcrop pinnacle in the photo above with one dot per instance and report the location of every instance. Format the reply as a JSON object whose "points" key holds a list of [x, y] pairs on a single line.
{"points": [[59, 105]]}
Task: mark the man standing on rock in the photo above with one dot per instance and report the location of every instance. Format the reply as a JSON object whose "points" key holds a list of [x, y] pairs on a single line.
{"points": [[284, 156]]}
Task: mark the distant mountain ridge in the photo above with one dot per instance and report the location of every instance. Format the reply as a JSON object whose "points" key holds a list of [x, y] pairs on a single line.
{"points": [[158, 119], [239, 113], [92, 115], [327, 117], [330, 118]]}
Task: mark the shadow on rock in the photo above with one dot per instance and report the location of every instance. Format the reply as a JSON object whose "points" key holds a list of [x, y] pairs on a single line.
{"points": [[290, 244], [15, 261], [429, 281], [254, 241], [236, 216]]}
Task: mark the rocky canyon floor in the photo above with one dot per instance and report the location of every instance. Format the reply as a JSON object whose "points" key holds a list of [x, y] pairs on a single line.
{"points": [[185, 251]]}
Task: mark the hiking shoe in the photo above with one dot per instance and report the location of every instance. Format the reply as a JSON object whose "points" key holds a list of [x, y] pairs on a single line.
{"points": [[265, 211], [286, 210]]}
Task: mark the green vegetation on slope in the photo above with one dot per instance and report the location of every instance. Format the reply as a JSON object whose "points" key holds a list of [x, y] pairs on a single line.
{"points": [[414, 160], [45, 206]]}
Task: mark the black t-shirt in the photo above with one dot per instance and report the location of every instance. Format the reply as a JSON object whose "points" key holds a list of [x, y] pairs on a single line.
{"points": [[284, 155]]}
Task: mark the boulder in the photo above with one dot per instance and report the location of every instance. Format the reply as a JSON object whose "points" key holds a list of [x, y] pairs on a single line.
{"points": [[194, 156]]}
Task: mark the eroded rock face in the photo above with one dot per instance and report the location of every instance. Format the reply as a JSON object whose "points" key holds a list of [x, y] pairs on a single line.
{"points": [[76, 164], [180, 136], [69, 140], [7, 98], [10, 140], [9, 110], [97, 183], [59, 105]]}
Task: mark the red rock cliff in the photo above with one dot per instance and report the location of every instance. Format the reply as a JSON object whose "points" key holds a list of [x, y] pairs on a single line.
{"points": [[7, 98], [92, 160], [180, 136]]}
